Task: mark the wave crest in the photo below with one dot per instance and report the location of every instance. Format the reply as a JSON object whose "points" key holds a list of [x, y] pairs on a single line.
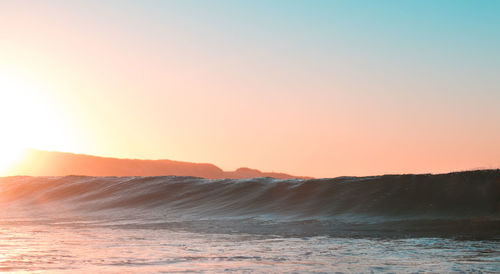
{"points": [[463, 195]]}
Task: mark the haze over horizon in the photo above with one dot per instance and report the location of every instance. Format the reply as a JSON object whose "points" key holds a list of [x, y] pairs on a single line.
{"points": [[268, 136], [316, 88], [52, 163], [33, 162]]}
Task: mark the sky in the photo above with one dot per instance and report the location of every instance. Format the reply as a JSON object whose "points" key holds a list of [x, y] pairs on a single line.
{"points": [[312, 88]]}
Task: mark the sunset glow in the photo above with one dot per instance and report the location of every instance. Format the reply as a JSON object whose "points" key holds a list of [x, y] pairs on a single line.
{"points": [[17, 114], [266, 136], [28, 119], [390, 90]]}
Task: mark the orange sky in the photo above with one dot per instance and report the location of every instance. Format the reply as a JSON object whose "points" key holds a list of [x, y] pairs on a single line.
{"points": [[313, 92]]}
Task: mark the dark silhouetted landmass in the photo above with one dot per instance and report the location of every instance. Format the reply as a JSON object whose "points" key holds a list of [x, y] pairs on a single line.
{"points": [[50, 163]]}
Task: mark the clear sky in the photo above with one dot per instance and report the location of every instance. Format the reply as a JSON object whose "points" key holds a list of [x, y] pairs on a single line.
{"points": [[318, 88]]}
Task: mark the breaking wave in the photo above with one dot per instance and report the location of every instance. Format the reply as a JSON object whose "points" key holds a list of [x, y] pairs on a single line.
{"points": [[456, 203]]}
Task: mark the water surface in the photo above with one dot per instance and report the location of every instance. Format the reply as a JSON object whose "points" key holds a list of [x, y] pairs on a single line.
{"points": [[408, 223]]}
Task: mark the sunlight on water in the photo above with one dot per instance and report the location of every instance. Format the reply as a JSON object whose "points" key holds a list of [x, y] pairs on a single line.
{"points": [[89, 247]]}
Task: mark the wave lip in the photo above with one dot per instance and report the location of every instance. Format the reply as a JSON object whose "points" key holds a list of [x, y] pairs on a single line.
{"points": [[467, 199]]}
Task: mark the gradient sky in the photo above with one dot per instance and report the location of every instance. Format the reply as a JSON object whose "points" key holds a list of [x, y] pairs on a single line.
{"points": [[318, 88]]}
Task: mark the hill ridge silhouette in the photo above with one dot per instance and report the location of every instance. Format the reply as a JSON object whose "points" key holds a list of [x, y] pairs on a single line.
{"points": [[55, 163]]}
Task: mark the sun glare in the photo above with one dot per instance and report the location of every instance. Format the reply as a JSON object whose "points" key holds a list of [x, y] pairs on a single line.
{"points": [[28, 119]]}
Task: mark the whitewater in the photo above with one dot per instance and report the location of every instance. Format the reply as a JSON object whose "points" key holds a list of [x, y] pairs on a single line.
{"points": [[393, 223]]}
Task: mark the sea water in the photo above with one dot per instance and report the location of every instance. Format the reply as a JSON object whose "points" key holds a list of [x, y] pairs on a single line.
{"points": [[410, 223], [93, 248]]}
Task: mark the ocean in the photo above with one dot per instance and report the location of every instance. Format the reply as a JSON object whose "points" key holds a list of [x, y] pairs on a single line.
{"points": [[393, 223]]}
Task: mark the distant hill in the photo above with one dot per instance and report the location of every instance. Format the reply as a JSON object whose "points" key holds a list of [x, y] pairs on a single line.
{"points": [[51, 163]]}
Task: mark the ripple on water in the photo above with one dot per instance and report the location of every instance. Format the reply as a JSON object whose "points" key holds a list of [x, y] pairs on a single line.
{"points": [[63, 248]]}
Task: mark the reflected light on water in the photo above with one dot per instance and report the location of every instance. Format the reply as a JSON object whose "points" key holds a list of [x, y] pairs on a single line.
{"points": [[93, 246]]}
